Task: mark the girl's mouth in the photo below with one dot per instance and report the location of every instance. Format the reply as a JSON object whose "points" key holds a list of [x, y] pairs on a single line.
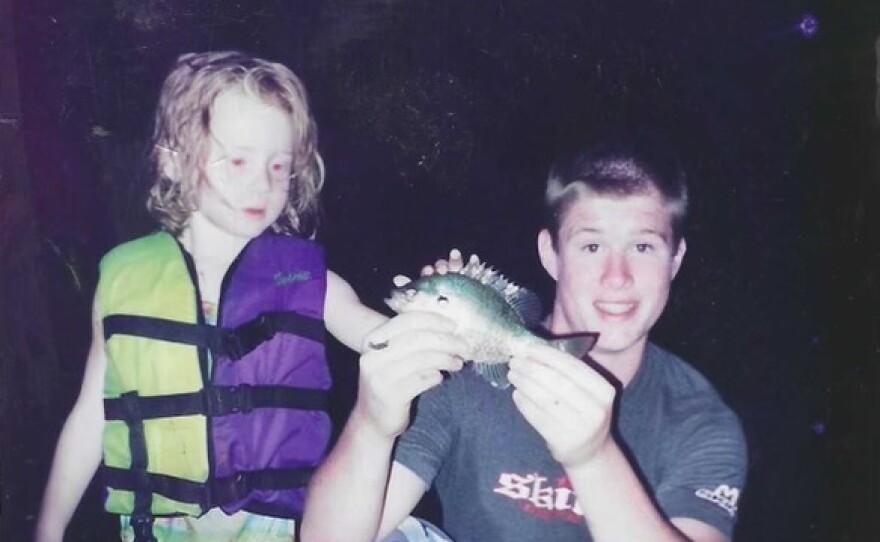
{"points": [[255, 213]]}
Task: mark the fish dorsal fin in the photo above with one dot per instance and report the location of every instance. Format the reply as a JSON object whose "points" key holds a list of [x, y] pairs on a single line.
{"points": [[576, 344], [493, 373], [523, 301]]}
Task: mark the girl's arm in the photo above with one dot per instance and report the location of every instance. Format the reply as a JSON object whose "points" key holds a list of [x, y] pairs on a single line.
{"points": [[78, 452], [346, 317]]}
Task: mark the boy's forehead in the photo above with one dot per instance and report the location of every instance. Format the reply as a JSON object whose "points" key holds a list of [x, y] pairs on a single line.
{"points": [[647, 208]]}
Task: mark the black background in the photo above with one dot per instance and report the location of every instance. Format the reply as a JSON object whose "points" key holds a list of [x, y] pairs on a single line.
{"points": [[437, 122]]}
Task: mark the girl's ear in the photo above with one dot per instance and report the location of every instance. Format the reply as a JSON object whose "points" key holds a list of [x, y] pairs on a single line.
{"points": [[169, 162]]}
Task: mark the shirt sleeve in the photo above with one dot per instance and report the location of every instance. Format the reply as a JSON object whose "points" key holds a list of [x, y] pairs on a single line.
{"points": [[705, 479], [426, 443]]}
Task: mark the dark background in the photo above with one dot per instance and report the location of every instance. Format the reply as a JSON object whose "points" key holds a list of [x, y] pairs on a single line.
{"points": [[438, 120]]}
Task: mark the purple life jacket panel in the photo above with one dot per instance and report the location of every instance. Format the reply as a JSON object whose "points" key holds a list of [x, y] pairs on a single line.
{"points": [[274, 273]]}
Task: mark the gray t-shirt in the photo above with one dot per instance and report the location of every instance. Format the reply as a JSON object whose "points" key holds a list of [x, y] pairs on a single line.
{"points": [[496, 480]]}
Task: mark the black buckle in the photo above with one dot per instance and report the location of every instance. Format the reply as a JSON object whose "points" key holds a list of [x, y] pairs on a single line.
{"points": [[142, 525], [228, 490], [231, 400], [131, 407], [239, 342]]}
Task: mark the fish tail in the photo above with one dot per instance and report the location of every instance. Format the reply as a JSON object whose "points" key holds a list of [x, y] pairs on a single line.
{"points": [[576, 344]]}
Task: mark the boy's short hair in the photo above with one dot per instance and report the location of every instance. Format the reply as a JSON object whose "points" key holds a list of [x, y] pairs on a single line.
{"points": [[182, 122], [616, 169]]}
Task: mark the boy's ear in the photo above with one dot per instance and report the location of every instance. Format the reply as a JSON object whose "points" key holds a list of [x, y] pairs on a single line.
{"points": [[169, 163], [679, 256], [547, 253]]}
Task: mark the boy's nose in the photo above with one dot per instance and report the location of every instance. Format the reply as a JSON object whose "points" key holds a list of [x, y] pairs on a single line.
{"points": [[616, 274]]}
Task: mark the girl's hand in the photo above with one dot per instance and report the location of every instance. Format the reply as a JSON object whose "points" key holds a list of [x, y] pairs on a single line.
{"points": [[454, 264]]}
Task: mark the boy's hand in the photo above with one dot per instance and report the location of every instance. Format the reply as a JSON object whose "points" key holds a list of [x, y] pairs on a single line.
{"points": [[566, 401], [454, 264], [402, 359]]}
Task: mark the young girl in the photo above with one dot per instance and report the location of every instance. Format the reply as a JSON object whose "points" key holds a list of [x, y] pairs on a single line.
{"points": [[204, 391]]}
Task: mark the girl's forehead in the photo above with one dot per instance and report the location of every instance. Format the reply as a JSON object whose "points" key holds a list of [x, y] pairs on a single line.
{"points": [[242, 119]]}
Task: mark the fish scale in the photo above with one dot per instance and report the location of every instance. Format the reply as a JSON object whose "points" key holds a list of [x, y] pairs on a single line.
{"points": [[493, 315]]}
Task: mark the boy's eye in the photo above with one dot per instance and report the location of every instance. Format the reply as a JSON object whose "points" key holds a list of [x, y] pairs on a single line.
{"points": [[590, 247], [644, 247], [237, 162]]}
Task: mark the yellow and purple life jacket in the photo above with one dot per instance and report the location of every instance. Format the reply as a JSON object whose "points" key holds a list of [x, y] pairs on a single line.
{"points": [[198, 416]]}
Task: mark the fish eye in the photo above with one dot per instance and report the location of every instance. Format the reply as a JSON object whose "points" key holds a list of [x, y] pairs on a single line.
{"points": [[442, 299]]}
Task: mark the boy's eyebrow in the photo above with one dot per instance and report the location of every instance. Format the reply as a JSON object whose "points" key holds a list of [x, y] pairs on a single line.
{"points": [[582, 230], [644, 231], [651, 231]]}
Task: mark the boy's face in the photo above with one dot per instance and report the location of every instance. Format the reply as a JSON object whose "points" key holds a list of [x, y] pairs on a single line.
{"points": [[246, 175], [613, 264]]}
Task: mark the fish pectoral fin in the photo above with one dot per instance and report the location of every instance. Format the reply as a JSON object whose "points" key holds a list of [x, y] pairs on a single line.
{"points": [[576, 344], [493, 373]]}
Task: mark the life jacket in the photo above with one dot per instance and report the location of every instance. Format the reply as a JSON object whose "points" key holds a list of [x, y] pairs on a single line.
{"points": [[198, 416]]}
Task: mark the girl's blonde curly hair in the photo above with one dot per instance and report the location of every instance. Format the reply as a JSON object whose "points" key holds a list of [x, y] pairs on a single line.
{"points": [[182, 124]]}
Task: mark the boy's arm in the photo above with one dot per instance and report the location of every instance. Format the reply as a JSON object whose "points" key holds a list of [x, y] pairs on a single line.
{"points": [[346, 317], [350, 497], [571, 405], [78, 452]]}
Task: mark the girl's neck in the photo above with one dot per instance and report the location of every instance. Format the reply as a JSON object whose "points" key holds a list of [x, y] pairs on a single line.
{"points": [[210, 246]]}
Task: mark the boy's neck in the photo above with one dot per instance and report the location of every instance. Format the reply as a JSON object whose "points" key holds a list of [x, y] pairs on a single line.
{"points": [[622, 364]]}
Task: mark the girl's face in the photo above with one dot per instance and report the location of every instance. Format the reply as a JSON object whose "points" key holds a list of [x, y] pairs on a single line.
{"points": [[246, 174]]}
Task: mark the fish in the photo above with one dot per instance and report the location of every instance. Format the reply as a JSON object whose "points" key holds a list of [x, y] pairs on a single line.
{"points": [[495, 317]]}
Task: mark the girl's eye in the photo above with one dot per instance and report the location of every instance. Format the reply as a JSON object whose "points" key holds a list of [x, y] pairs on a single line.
{"points": [[644, 247], [591, 247], [237, 162]]}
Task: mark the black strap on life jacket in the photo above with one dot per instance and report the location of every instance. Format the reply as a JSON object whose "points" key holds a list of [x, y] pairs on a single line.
{"points": [[213, 493], [232, 343], [213, 401], [141, 517]]}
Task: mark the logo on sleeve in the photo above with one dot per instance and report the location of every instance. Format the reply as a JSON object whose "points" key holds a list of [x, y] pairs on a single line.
{"points": [[723, 495]]}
